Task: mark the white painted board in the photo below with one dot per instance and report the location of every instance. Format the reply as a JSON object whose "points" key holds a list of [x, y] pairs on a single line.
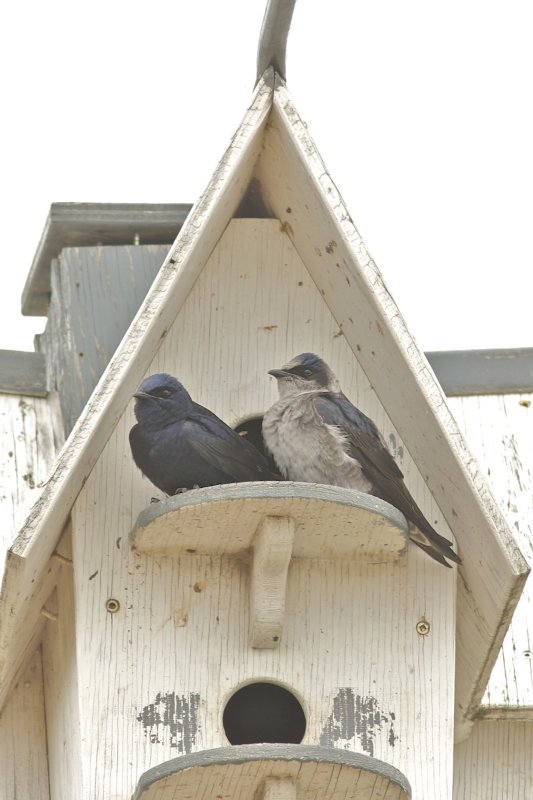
{"points": [[499, 429], [23, 756], [495, 762]]}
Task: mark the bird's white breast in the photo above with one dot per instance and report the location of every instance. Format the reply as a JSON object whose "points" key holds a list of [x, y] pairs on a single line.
{"points": [[306, 449]]}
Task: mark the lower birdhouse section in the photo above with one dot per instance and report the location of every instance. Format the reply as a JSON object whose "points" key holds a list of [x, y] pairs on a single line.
{"points": [[271, 772], [170, 658]]}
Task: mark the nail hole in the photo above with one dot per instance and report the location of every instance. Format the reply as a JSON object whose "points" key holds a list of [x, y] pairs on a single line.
{"points": [[112, 605]]}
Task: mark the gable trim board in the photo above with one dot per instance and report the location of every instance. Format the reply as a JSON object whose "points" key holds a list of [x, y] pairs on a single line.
{"points": [[272, 144]]}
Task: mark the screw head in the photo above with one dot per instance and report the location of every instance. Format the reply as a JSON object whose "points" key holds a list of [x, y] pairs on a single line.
{"points": [[422, 627]]}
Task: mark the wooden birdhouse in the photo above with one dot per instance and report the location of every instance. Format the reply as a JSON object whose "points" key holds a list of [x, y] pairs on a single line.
{"points": [[279, 640]]}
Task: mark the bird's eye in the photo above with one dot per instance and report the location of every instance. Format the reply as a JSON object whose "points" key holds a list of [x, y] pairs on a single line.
{"points": [[164, 393], [308, 373]]}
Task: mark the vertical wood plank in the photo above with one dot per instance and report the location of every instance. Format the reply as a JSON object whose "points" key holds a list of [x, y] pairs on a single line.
{"points": [[96, 292], [31, 434], [61, 686], [495, 762], [23, 756], [499, 429]]}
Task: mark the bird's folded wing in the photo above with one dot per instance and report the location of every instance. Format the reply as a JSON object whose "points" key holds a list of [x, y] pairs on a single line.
{"points": [[365, 445], [363, 439], [237, 459]]}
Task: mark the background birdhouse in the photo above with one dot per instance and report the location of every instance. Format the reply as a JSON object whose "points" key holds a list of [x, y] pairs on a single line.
{"points": [[295, 615]]}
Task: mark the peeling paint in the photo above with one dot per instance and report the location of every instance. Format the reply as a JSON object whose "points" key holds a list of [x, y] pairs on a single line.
{"points": [[356, 716], [172, 720]]}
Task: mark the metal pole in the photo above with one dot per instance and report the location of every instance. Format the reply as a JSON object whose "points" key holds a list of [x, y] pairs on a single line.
{"points": [[273, 37]]}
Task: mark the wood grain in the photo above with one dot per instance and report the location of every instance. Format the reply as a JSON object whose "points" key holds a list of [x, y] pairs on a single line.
{"points": [[271, 556], [31, 433], [499, 429], [274, 773], [23, 753], [158, 673], [495, 762], [330, 522]]}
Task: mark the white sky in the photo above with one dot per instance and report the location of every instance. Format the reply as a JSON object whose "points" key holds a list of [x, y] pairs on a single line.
{"points": [[422, 112]]}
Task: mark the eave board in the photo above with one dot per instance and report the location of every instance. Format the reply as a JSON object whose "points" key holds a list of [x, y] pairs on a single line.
{"points": [[86, 224]]}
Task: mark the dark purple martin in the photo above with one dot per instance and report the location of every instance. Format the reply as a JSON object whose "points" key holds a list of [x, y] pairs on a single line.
{"points": [[316, 435], [179, 444]]}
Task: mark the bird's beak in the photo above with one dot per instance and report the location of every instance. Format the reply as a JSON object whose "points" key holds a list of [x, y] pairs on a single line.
{"points": [[278, 373], [142, 396]]}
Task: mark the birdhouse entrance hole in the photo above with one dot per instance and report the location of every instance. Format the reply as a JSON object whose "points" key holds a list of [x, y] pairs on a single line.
{"points": [[264, 712]]}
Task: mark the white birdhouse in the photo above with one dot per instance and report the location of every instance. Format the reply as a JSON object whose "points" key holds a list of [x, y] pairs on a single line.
{"points": [[281, 640]]}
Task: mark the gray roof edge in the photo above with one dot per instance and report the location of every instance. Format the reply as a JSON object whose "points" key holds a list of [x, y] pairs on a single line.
{"points": [[478, 372], [23, 373], [86, 224], [459, 372]]}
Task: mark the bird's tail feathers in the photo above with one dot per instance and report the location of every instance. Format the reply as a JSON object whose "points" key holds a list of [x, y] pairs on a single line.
{"points": [[432, 552], [435, 547]]}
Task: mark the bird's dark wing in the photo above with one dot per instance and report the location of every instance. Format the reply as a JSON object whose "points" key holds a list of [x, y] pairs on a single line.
{"points": [[364, 442], [366, 446], [225, 450]]}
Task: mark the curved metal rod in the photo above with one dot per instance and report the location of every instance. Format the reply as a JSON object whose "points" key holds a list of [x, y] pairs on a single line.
{"points": [[273, 37]]}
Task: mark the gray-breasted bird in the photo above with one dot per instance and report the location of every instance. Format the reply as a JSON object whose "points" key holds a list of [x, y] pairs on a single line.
{"points": [[179, 444], [316, 435]]}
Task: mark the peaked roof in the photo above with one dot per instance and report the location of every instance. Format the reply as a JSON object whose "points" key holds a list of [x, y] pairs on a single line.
{"points": [[297, 189]]}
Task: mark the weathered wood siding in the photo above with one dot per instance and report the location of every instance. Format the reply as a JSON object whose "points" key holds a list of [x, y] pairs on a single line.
{"points": [[495, 762], [23, 755], [499, 430], [96, 292], [156, 673], [31, 435], [61, 684]]}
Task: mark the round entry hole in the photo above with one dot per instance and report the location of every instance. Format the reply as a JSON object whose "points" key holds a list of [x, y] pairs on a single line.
{"points": [[264, 712]]}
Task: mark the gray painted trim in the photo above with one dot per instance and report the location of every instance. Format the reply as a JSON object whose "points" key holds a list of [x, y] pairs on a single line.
{"points": [[22, 373], [274, 490], [273, 38], [496, 713], [459, 372], [240, 754], [464, 372], [86, 224]]}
